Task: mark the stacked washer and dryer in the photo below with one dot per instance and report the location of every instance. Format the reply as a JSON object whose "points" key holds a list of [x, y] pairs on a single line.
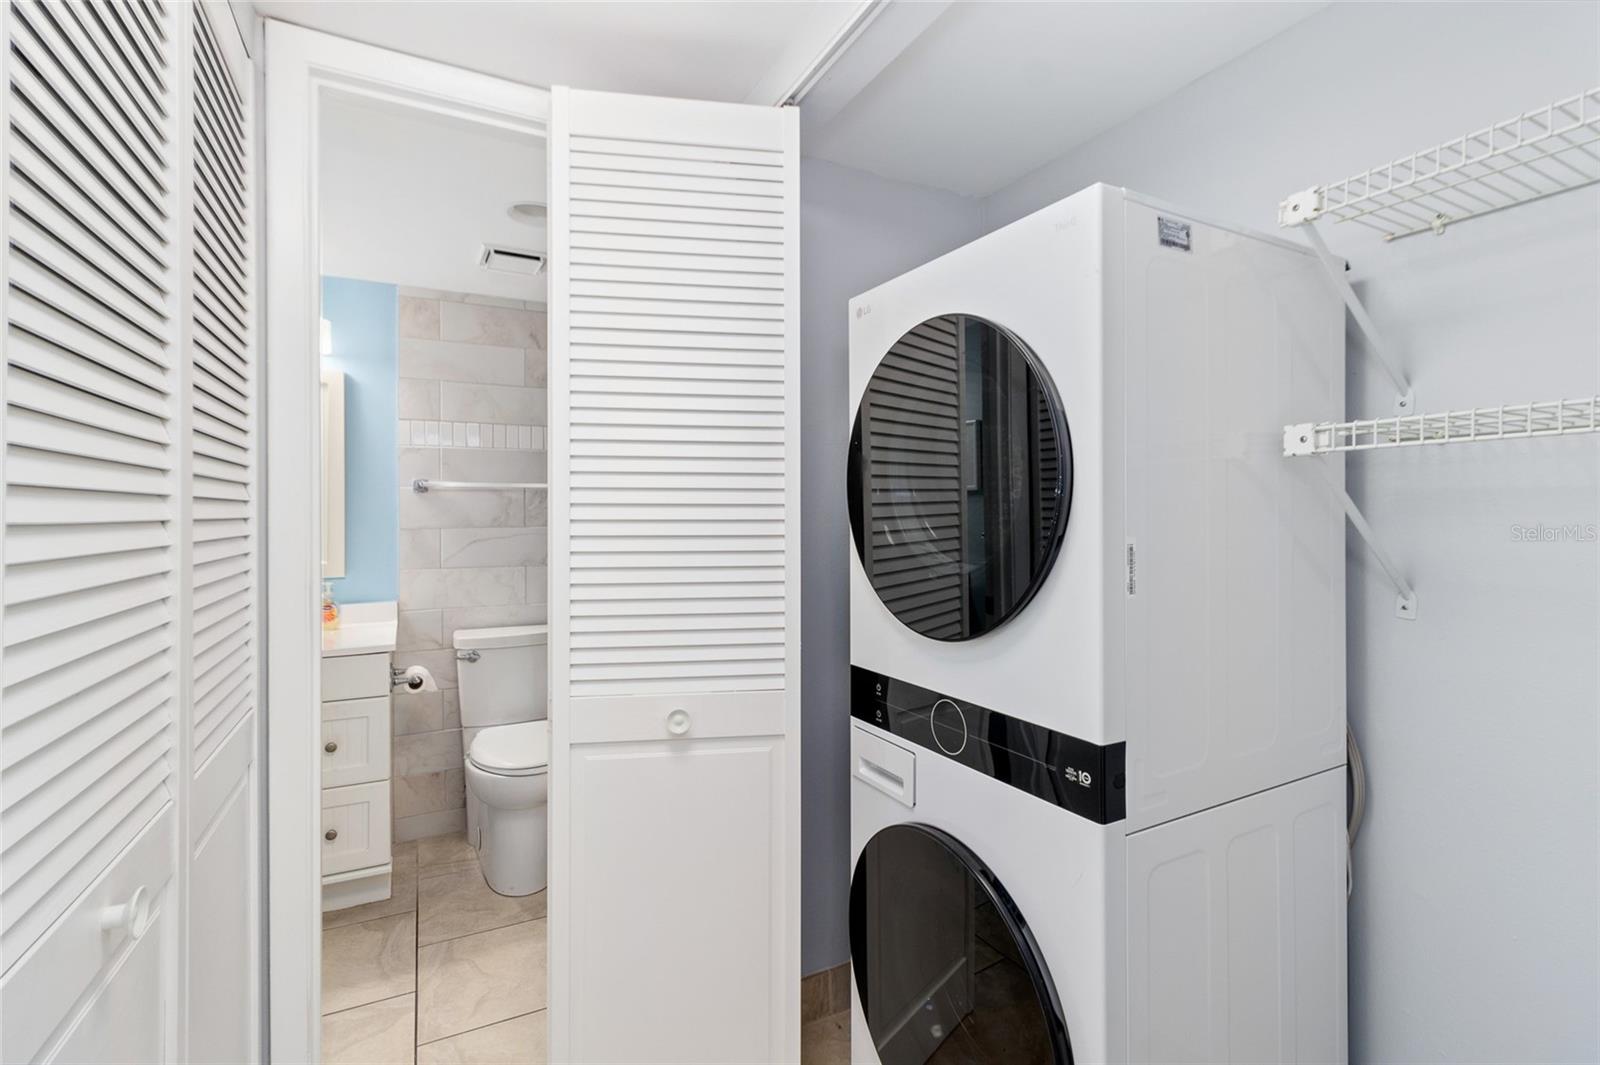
{"points": [[1097, 647]]}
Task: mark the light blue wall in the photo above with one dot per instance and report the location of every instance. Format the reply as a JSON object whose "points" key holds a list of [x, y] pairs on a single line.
{"points": [[364, 319]]}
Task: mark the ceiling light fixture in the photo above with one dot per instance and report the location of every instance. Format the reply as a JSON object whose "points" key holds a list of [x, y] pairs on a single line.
{"points": [[527, 212]]}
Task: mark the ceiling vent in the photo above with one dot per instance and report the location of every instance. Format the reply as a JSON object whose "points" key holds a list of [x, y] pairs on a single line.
{"points": [[511, 260]]}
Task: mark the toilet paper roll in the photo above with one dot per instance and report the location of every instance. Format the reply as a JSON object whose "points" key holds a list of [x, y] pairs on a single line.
{"points": [[418, 679]]}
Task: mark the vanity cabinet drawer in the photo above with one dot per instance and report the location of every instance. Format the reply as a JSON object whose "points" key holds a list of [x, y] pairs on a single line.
{"points": [[355, 827], [355, 677], [355, 741]]}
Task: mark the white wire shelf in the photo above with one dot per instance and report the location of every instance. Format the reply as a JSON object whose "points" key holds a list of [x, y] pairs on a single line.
{"points": [[423, 484], [1536, 155], [1562, 417]]}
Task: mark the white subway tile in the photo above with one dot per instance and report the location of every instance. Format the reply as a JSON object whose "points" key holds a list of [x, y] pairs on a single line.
{"points": [[416, 398], [474, 437], [426, 589]]}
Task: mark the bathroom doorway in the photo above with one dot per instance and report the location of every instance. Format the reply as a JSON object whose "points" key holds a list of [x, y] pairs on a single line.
{"points": [[672, 640], [427, 782], [432, 347]]}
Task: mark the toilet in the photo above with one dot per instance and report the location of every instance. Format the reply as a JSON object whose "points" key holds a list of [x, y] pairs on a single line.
{"points": [[504, 687]]}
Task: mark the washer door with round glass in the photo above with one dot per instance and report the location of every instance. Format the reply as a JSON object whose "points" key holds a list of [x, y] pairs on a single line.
{"points": [[946, 969], [960, 477]]}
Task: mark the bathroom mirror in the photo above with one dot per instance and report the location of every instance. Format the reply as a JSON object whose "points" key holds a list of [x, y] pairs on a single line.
{"points": [[960, 477], [332, 473]]}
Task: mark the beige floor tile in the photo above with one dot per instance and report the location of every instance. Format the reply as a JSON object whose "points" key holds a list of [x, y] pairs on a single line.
{"points": [[442, 850], [520, 1041], [826, 1041], [462, 903], [402, 898], [480, 979], [448, 869], [369, 961], [379, 1033]]}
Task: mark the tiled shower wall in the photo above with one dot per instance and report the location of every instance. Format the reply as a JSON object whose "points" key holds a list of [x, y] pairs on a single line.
{"points": [[472, 408]]}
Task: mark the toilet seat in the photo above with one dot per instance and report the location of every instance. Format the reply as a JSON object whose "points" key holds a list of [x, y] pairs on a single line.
{"points": [[518, 750]]}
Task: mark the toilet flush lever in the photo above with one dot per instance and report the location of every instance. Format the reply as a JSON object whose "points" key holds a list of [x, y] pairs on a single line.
{"points": [[678, 722], [467, 656]]}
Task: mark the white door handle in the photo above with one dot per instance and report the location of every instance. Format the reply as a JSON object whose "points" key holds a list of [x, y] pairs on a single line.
{"points": [[678, 722], [133, 916]]}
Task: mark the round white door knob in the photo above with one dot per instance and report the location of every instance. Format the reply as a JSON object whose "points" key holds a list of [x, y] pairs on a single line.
{"points": [[678, 722], [132, 917]]}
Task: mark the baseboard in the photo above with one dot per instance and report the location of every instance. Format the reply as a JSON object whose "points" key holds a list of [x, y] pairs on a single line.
{"points": [[824, 993]]}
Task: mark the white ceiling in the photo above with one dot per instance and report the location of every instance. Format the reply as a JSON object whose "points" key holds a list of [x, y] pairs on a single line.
{"points": [[699, 49], [410, 198], [966, 96], [991, 91]]}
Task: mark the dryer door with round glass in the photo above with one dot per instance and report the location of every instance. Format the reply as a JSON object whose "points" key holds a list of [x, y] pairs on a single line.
{"points": [[945, 967], [960, 477]]}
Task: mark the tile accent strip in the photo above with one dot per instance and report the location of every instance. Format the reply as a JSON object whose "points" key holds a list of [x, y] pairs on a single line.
{"points": [[419, 433]]}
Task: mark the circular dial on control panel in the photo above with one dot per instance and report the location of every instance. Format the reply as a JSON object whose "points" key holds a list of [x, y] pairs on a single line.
{"points": [[949, 726], [960, 477]]}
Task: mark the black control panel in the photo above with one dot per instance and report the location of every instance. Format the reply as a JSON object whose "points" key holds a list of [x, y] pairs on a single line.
{"points": [[1086, 778]]}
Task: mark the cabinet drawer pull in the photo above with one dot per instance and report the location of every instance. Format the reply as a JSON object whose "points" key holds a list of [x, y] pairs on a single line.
{"points": [[331, 834], [331, 746], [678, 722]]}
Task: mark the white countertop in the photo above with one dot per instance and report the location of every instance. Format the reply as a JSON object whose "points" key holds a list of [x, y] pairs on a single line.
{"points": [[364, 629]]}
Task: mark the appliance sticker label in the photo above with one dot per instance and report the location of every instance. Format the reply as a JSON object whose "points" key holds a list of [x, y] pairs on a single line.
{"points": [[1172, 233]]}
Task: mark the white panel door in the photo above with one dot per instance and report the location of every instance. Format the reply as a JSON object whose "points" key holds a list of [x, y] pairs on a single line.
{"points": [[674, 395], [92, 601]]}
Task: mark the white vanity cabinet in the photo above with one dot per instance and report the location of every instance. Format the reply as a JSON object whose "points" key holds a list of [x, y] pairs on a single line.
{"points": [[354, 758]]}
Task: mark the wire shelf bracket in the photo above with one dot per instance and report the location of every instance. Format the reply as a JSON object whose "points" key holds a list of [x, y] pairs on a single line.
{"points": [[1377, 347], [1405, 603], [1533, 156]]}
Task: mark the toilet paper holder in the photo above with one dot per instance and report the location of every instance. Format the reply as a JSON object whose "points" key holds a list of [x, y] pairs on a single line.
{"points": [[412, 679]]}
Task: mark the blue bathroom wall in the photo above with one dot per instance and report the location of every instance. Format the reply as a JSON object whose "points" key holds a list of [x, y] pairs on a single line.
{"points": [[363, 316]]}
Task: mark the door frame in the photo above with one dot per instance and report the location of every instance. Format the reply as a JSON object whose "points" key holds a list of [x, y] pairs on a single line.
{"points": [[301, 66]]}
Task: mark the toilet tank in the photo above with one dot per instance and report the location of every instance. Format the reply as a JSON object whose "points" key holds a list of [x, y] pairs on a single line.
{"points": [[503, 674]]}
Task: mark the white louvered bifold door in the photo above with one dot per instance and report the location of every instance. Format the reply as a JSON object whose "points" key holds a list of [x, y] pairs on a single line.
{"points": [[104, 745], [92, 530], [674, 580], [221, 815]]}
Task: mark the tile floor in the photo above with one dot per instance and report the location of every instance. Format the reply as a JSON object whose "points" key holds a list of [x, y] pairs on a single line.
{"points": [[445, 971], [826, 1040]]}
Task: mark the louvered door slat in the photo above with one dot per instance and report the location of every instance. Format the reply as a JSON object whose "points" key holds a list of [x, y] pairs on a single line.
{"points": [[85, 27], [98, 217], [47, 215], [676, 405], [73, 92]]}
